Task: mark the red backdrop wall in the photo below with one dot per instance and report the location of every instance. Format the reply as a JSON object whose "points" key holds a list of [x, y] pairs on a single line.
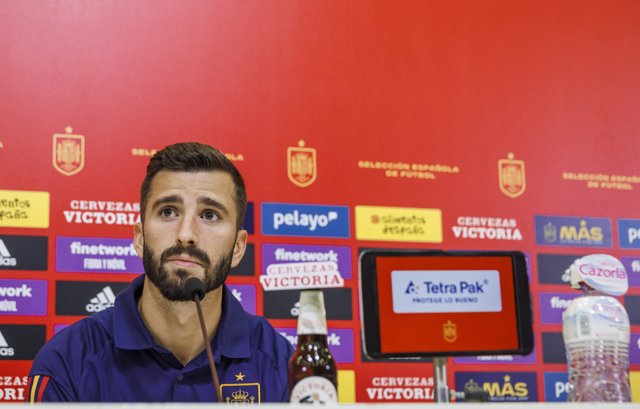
{"points": [[367, 86]]}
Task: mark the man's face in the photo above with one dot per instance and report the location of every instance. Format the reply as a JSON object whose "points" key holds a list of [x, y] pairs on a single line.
{"points": [[189, 231]]}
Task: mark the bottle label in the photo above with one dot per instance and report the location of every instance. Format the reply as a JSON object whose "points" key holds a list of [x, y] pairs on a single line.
{"points": [[311, 324], [595, 318], [314, 389]]}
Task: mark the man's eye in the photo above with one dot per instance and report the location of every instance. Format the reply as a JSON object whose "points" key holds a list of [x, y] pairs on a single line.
{"points": [[209, 215], [167, 212]]}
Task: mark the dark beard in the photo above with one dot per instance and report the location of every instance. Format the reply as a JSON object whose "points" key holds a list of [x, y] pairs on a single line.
{"points": [[172, 286]]}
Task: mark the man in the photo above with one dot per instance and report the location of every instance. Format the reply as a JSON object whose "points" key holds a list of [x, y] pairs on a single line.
{"points": [[149, 347]]}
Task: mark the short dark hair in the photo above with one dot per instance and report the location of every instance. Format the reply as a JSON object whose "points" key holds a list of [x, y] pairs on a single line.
{"points": [[193, 157]]}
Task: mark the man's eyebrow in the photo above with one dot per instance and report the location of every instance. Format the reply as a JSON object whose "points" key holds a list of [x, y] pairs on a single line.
{"points": [[167, 199], [213, 203]]}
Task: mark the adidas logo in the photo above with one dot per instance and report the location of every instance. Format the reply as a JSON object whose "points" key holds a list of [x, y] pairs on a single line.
{"points": [[3, 342], [103, 300], [5, 256], [5, 350]]}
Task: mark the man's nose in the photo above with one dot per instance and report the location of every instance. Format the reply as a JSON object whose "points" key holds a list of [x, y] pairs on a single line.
{"points": [[187, 235]]}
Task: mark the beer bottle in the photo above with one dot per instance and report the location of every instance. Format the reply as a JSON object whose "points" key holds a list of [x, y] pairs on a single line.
{"points": [[312, 370]]}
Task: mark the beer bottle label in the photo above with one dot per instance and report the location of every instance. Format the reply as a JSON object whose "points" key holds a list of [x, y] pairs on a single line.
{"points": [[314, 389]]}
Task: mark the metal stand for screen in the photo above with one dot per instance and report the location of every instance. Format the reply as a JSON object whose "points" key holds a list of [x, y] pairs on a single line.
{"points": [[441, 391]]}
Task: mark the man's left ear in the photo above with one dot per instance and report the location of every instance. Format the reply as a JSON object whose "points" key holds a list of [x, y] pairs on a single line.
{"points": [[138, 238], [239, 247]]}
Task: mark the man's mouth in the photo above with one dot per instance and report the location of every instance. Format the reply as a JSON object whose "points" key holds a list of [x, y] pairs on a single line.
{"points": [[185, 262]]}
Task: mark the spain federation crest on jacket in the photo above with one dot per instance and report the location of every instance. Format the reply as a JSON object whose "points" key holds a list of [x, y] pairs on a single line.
{"points": [[68, 152], [240, 393], [301, 165], [511, 173]]}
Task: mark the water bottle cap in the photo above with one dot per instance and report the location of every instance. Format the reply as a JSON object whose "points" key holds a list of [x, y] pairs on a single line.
{"points": [[600, 272]]}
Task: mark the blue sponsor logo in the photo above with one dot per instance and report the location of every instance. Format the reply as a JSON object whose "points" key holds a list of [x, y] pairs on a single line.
{"points": [[573, 231], [502, 386], [280, 219], [629, 233], [556, 386]]}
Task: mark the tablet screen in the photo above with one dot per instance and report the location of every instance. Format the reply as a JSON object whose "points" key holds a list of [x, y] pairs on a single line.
{"points": [[437, 303]]}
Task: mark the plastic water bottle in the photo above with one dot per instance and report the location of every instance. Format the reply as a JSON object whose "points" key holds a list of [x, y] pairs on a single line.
{"points": [[595, 328]]}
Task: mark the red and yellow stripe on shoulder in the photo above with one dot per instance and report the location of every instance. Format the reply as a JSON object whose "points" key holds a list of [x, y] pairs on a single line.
{"points": [[36, 386]]}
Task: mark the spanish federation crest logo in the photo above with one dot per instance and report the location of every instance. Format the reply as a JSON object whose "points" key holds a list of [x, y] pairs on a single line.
{"points": [[450, 331], [511, 173], [68, 152], [301, 165], [550, 232], [240, 393]]}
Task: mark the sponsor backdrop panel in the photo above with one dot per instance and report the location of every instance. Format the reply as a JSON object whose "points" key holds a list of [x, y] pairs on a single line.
{"points": [[553, 350], [629, 233], [84, 297], [552, 305], [285, 219], [551, 268], [502, 386], [634, 377], [14, 380], [632, 265], [24, 208], [573, 231], [499, 359], [90, 255], [21, 342], [246, 294], [340, 149], [24, 253], [385, 383], [632, 304], [556, 386], [286, 304], [23, 297], [634, 348]]}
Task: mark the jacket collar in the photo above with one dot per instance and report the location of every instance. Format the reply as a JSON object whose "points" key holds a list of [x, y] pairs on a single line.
{"points": [[230, 340]]}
